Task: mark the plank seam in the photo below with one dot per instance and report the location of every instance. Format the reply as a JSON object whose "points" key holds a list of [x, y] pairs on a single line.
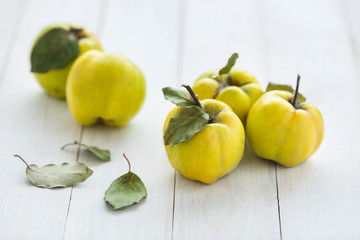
{"points": [[350, 35], [181, 37], [278, 199], [267, 60], [100, 23], [72, 188], [173, 210], [68, 210], [14, 33], [102, 15], [180, 58]]}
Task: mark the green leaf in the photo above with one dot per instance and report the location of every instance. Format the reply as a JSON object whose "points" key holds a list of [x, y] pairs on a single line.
{"points": [[180, 97], [183, 126], [125, 191], [51, 176], [54, 50], [102, 154], [229, 65], [300, 98], [275, 86]]}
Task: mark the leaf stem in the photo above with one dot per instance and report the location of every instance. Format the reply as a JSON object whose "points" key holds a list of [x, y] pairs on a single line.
{"points": [[129, 173], [296, 91], [15, 155], [74, 143], [68, 144]]}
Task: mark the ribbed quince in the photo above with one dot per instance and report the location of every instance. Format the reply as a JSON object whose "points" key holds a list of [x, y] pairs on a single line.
{"points": [[281, 129], [104, 86], [236, 87], [54, 52], [204, 140]]}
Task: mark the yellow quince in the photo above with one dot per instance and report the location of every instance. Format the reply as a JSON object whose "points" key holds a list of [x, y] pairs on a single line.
{"points": [[210, 151], [239, 89], [281, 129], [104, 86], [236, 87], [54, 52]]}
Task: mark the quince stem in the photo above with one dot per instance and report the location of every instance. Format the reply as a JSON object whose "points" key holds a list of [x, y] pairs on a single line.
{"points": [[129, 173], [77, 32], [188, 88], [296, 91], [193, 95]]}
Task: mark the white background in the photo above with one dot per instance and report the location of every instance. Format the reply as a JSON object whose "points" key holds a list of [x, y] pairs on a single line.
{"points": [[173, 42]]}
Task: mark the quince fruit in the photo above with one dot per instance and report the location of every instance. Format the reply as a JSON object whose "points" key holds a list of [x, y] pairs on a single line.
{"points": [[104, 86], [204, 140], [282, 129], [236, 87], [54, 52]]}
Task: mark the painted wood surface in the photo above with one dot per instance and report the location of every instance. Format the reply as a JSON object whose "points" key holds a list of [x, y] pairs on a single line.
{"points": [[151, 42], [35, 126], [173, 42], [350, 14], [10, 16], [319, 199], [243, 204]]}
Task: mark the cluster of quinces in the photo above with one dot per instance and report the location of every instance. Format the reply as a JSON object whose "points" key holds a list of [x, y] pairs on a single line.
{"points": [[204, 136], [205, 140]]}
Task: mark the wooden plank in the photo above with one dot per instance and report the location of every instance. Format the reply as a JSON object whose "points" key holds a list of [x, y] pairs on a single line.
{"points": [[146, 32], [242, 205], [319, 199], [10, 13], [35, 126], [351, 10]]}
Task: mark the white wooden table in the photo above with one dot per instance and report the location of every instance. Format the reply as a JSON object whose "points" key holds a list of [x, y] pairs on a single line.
{"points": [[173, 42]]}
